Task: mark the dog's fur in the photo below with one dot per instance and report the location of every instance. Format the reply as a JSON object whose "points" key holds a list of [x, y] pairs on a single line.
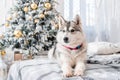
{"points": [[69, 59]]}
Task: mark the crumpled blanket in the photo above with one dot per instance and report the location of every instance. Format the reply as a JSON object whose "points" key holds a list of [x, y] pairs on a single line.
{"points": [[104, 59], [103, 53], [34, 70], [38, 69], [45, 69]]}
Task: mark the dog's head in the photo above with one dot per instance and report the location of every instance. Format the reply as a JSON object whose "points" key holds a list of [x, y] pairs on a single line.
{"points": [[70, 32]]}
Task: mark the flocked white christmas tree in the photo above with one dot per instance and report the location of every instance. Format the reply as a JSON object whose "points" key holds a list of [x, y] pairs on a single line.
{"points": [[29, 25]]}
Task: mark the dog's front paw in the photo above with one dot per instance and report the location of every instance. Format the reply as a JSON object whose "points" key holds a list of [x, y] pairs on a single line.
{"points": [[79, 73], [67, 73]]}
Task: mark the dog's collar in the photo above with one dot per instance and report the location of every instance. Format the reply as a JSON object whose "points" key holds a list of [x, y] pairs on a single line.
{"points": [[76, 48]]}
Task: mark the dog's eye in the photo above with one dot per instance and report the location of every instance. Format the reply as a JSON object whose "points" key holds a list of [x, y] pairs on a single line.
{"points": [[72, 30]]}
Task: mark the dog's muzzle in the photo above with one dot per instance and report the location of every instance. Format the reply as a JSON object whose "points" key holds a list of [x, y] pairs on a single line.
{"points": [[66, 40]]}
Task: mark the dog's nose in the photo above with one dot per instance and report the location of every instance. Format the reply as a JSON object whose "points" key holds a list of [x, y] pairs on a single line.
{"points": [[65, 39]]}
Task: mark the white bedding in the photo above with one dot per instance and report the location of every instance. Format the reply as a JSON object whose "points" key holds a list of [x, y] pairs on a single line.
{"points": [[34, 70], [48, 70], [45, 69]]}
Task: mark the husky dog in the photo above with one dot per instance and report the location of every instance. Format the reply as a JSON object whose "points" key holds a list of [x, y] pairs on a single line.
{"points": [[70, 50]]}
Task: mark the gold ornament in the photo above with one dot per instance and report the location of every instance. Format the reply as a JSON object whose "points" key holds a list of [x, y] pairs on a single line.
{"points": [[56, 26], [2, 52], [6, 24], [34, 6], [25, 9], [41, 15], [36, 20], [48, 5], [9, 18], [18, 33]]}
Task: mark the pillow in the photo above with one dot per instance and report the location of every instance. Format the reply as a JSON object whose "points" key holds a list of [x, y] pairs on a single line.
{"points": [[102, 48]]}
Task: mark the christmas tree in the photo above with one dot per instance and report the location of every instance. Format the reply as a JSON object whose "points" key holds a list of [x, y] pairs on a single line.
{"points": [[29, 25]]}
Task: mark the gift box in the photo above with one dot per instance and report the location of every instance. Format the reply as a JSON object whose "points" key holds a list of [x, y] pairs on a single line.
{"points": [[17, 56]]}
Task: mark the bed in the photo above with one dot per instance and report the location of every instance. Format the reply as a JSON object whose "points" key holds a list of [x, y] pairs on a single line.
{"points": [[99, 67]]}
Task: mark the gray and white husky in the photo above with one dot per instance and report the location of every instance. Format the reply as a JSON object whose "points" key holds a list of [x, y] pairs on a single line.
{"points": [[71, 47]]}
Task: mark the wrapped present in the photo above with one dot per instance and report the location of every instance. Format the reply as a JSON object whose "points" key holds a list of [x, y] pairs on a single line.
{"points": [[17, 56]]}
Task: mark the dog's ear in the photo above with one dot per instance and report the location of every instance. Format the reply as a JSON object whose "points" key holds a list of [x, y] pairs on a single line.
{"points": [[77, 20], [61, 22]]}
